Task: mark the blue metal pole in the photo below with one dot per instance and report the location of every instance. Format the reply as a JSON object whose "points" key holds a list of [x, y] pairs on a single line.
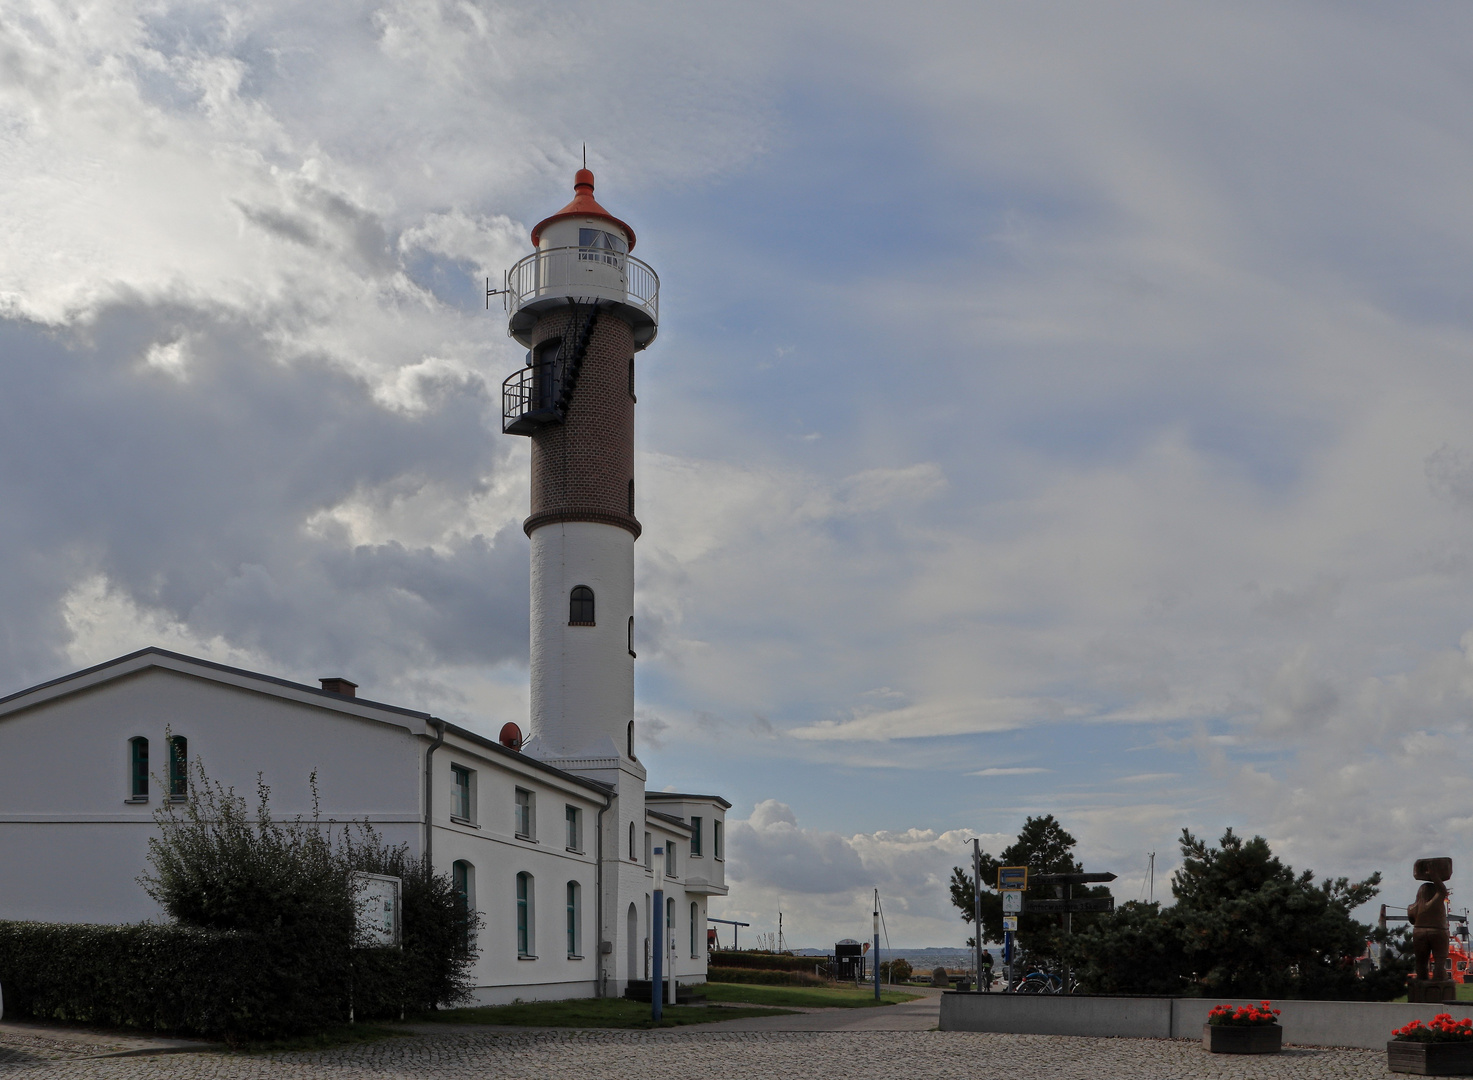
{"points": [[657, 982], [1007, 957]]}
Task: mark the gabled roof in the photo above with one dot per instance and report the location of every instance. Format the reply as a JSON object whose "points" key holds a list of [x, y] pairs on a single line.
{"points": [[668, 819], [676, 796], [254, 681], [154, 657]]}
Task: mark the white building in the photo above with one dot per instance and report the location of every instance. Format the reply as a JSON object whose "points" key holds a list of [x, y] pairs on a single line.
{"points": [[550, 841]]}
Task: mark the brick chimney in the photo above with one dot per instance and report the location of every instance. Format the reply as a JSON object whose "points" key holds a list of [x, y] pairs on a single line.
{"points": [[340, 686]]}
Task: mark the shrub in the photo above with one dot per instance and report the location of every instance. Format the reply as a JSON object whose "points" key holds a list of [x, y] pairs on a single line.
{"points": [[765, 978], [899, 969], [767, 961]]}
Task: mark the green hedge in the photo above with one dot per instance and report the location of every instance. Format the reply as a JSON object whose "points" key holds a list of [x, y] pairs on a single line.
{"points": [[232, 985], [767, 961], [765, 978]]}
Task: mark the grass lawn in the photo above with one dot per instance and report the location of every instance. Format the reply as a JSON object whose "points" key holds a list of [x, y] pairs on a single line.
{"points": [[1465, 993], [805, 997], [591, 1013]]}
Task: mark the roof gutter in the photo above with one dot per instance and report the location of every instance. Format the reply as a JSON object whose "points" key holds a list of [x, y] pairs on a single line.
{"points": [[429, 846]]}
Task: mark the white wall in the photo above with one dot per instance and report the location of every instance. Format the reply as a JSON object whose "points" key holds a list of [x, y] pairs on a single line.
{"points": [[582, 676], [73, 846]]}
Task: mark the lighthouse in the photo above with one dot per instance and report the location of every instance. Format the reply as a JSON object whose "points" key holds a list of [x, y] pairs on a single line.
{"points": [[583, 306]]}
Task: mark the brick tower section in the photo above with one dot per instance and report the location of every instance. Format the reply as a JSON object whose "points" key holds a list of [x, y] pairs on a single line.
{"points": [[583, 468]]}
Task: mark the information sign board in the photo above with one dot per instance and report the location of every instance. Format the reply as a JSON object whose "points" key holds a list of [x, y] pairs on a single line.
{"points": [[377, 900], [1010, 924], [1012, 901], [1012, 877]]}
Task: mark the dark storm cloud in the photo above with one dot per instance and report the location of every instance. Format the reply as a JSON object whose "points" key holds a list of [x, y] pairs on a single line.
{"points": [[190, 492]]}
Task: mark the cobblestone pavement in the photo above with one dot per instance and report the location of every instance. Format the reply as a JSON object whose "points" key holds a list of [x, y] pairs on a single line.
{"points": [[697, 1055]]}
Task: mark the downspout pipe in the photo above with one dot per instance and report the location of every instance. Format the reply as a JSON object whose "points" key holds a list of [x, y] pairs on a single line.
{"points": [[429, 846], [601, 990]]}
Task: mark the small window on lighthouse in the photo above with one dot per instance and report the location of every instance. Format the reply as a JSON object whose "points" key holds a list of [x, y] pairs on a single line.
{"points": [[580, 606]]}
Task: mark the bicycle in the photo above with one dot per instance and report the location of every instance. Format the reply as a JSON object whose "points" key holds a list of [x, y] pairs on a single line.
{"points": [[1038, 982]]}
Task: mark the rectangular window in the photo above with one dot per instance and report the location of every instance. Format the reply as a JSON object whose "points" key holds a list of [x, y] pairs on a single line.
{"points": [[575, 828], [600, 246], [524, 915], [463, 880], [670, 859], [526, 822], [573, 919], [649, 847], [695, 838], [462, 794], [178, 768], [716, 840], [138, 769]]}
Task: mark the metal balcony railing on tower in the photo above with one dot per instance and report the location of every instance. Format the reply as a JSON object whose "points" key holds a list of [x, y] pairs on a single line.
{"points": [[554, 276]]}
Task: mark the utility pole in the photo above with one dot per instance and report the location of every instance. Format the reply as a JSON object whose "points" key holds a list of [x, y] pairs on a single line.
{"points": [[1151, 897], [877, 945], [977, 909]]}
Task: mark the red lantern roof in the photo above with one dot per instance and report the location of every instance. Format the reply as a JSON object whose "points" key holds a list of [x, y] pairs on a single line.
{"points": [[583, 205]]}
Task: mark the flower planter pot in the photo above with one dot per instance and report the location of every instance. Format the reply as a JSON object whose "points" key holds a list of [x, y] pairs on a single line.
{"points": [[1430, 1058], [1243, 1038]]}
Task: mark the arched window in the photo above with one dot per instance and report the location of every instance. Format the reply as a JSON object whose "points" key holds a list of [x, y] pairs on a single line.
{"points": [[573, 920], [525, 928], [178, 768], [463, 881], [695, 914], [631, 653], [138, 769], [633, 850], [631, 739], [580, 606]]}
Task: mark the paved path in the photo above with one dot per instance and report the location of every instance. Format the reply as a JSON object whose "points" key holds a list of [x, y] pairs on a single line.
{"points": [[697, 1054], [24, 1043]]}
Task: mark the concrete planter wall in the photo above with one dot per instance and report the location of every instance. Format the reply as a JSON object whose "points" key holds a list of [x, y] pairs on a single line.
{"points": [[1365, 1024]]}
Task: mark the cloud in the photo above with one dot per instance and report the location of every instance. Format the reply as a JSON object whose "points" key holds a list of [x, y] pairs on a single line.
{"points": [[1020, 770], [822, 880]]}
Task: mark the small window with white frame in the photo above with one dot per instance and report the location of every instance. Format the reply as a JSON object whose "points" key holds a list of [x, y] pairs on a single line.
{"points": [[649, 849], [463, 795], [138, 769], [526, 921], [575, 930], [526, 823], [716, 829], [574, 818], [695, 838], [670, 858]]}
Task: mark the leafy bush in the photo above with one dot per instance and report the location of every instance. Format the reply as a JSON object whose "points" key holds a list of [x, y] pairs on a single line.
{"points": [[765, 978], [767, 961], [897, 970]]}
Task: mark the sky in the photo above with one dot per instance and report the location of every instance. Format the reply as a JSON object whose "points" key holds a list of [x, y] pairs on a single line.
{"points": [[1057, 408]]}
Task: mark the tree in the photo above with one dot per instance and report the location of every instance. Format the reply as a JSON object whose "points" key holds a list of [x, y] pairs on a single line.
{"points": [[217, 865], [1045, 847], [1243, 925]]}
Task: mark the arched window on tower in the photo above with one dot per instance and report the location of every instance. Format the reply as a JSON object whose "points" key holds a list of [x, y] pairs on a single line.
{"points": [[631, 653], [633, 842], [580, 606], [631, 751]]}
